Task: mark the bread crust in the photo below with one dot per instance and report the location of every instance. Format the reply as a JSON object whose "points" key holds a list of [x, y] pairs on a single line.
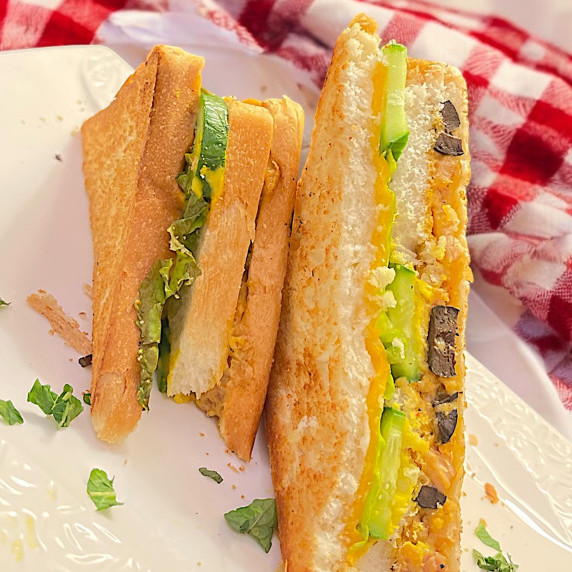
{"points": [[306, 400], [133, 150], [246, 379], [202, 324]]}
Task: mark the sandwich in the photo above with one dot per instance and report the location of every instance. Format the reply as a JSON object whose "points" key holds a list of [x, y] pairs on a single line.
{"points": [[191, 199], [364, 413]]}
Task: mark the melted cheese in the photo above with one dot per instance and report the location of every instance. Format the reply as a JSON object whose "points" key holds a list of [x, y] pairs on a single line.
{"points": [[381, 239]]}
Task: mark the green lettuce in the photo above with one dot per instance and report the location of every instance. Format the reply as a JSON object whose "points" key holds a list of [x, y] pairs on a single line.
{"points": [[100, 490], [9, 413], [497, 563], [64, 408], [258, 519], [170, 276]]}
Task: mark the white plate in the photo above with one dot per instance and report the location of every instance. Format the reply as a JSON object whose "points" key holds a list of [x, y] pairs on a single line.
{"points": [[172, 519]]}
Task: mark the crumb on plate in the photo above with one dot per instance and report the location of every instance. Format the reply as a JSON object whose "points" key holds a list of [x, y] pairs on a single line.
{"points": [[491, 493], [62, 324]]}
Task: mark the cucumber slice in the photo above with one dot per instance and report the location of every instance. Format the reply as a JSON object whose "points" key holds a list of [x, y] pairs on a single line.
{"points": [[384, 488], [206, 160], [394, 131], [401, 344]]}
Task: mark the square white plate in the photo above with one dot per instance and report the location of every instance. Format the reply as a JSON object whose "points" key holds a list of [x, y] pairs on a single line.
{"points": [[172, 517]]}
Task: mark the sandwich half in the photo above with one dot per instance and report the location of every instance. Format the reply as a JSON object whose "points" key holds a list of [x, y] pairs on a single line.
{"points": [[175, 176], [365, 405]]}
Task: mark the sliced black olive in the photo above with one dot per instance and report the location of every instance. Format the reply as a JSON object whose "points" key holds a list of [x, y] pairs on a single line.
{"points": [[85, 360], [446, 424], [450, 116], [448, 145], [441, 340], [443, 397], [430, 497]]}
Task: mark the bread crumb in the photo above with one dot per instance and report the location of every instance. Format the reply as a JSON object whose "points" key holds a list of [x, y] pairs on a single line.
{"points": [[473, 440], [491, 493], [62, 324], [233, 487], [87, 290], [201, 434], [232, 467]]}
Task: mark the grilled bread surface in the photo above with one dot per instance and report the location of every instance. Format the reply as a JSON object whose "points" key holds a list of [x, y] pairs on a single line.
{"points": [[133, 150]]}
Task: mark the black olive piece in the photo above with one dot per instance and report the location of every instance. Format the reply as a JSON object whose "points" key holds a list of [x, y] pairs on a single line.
{"points": [[446, 423], [450, 116], [442, 397], [448, 145], [441, 340], [85, 360], [430, 497]]}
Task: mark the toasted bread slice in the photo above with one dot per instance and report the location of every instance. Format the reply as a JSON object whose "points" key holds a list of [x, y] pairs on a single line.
{"points": [[323, 390], [133, 150], [201, 324], [238, 399]]}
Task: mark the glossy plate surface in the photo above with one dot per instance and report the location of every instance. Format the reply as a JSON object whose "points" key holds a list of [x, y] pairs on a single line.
{"points": [[172, 517]]}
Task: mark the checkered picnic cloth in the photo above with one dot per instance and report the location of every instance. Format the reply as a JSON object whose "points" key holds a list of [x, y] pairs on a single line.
{"points": [[520, 93]]}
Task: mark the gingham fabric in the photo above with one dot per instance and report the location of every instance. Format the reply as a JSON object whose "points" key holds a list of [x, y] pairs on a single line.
{"points": [[520, 96]]}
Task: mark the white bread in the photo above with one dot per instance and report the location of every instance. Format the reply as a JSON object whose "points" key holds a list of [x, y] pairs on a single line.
{"points": [[239, 397], [201, 325], [133, 150], [317, 405]]}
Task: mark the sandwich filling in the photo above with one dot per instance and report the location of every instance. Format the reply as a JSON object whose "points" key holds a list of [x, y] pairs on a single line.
{"points": [[201, 185]]}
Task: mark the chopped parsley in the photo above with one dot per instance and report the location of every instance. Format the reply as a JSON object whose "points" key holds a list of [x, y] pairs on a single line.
{"points": [[258, 519], [497, 563], [9, 413], [3, 303], [211, 474], [100, 490], [64, 407]]}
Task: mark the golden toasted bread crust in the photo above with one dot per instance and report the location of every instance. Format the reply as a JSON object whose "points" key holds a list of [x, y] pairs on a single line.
{"points": [[202, 324], [62, 324], [255, 333], [305, 438], [133, 150]]}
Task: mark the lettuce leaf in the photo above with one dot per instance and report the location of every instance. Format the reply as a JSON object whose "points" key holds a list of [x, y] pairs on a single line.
{"points": [[64, 407], [170, 276], [258, 519], [100, 490], [9, 413]]}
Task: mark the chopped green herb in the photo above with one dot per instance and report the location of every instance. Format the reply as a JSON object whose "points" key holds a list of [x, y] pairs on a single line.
{"points": [[497, 563], [100, 490], [64, 407], [67, 407], [484, 536], [43, 397], [9, 413], [86, 396], [3, 303], [257, 519], [211, 474]]}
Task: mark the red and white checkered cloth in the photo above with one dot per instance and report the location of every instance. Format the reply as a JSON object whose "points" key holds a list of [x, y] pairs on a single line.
{"points": [[520, 92]]}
